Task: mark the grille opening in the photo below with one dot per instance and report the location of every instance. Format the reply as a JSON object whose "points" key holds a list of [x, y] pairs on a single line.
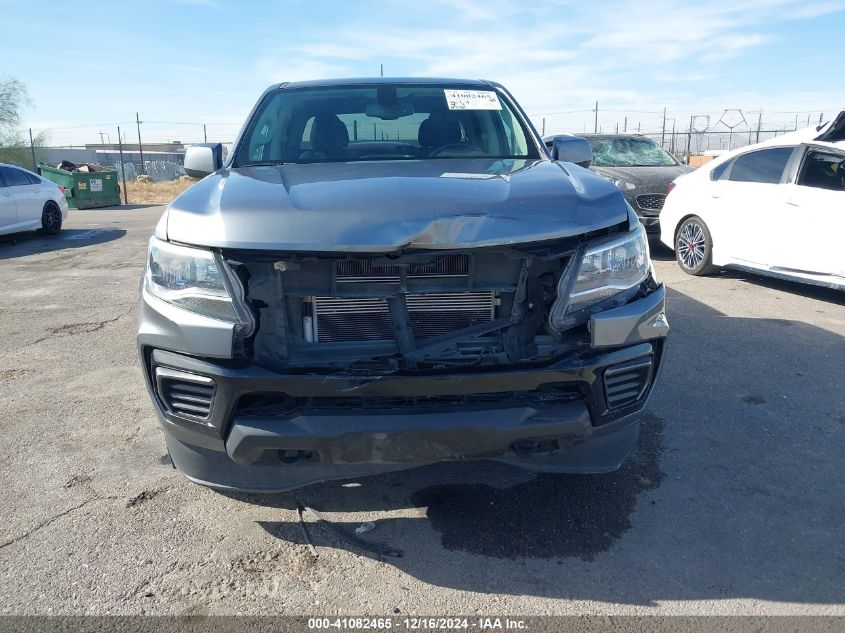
{"points": [[441, 265], [626, 383], [281, 403], [351, 319], [185, 394], [651, 201], [527, 448]]}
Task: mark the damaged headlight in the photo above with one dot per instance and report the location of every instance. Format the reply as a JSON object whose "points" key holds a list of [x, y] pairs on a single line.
{"points": [[605, 270], [190, 278]]}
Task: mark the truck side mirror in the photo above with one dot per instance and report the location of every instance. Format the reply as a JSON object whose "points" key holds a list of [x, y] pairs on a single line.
{"points": [[572, 149], [203, 159]]}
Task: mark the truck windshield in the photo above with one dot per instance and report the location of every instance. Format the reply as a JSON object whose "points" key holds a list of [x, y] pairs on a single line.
{"points": [[629, 152], [383, 122]]}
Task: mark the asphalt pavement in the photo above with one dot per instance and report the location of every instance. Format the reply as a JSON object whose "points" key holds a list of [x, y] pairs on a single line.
{"points": [[733, 504]]}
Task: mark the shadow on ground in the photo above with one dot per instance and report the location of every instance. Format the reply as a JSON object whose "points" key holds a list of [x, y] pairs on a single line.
{"points": [[548, 516], [129, 207], [33, 242], [735, 490]]}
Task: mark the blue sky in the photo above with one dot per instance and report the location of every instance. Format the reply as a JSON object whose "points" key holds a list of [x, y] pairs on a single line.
{"points": [[92, 65]]}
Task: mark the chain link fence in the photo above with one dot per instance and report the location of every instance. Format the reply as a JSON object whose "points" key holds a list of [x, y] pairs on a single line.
{"points": [[686, 135]]}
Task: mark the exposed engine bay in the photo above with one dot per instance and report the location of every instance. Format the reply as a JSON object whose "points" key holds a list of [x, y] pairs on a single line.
{"points": [[418, 310]]}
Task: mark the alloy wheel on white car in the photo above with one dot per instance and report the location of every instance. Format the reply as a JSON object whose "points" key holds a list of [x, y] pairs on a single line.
{"points": [[694, 247], [51, 218]]}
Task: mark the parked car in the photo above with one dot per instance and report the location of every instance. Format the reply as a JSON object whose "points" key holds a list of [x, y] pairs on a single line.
{"points": [[388, 273], [641, 169], [29, 202], [776, 208]]}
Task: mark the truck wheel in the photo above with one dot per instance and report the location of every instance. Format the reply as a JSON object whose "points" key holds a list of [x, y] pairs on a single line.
{"points": [[51, 219], [694, 247]]}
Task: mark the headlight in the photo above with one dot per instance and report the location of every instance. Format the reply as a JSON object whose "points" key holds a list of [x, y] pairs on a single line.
{"points": [[622, 184], [604, 271], [190, 278]]}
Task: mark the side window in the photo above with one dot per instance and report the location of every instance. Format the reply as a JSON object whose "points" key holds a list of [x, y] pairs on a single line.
{"points": [[720, 170], [823, 170], [765, 165], [14, 177], [33, 178]]}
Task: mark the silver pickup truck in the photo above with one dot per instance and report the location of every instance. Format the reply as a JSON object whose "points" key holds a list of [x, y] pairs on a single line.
{"points": [[385, 273]]}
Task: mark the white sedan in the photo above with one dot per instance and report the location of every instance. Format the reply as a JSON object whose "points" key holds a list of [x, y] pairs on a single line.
{"points": [[775, 208], [29, 201]]}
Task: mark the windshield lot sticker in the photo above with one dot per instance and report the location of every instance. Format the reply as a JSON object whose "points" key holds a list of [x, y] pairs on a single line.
{"points": [[472, 100]]}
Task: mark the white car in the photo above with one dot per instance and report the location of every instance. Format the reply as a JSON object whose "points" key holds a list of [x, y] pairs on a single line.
{"points": [[29, 201], [775, 208]]}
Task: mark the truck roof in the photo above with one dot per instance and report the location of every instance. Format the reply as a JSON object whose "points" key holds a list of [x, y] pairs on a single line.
{"points": [[359, 81]]}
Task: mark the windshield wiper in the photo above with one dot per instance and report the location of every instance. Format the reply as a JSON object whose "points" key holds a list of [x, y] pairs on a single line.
{"points": [[266, 163]]}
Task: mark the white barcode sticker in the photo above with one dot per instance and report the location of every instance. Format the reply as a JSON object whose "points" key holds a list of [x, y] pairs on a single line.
{"points": [[472, 100], [96, 184]]}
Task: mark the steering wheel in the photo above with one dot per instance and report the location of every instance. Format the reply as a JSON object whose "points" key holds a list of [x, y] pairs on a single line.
{"points": [[463, 147]]}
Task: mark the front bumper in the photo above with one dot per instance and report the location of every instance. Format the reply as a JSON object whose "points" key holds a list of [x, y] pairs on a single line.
{"points": [[651, 224], [649, 218], [563, 417]]}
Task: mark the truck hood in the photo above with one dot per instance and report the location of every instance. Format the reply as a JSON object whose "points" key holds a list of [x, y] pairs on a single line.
{"points": [[385, 206]]}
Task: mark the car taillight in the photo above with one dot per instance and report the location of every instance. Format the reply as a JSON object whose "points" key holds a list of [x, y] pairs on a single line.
{"points": [[62, 189], [669, 188]]}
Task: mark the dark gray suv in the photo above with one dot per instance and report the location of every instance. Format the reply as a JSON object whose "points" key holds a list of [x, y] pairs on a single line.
{"points": [[387, 273]]}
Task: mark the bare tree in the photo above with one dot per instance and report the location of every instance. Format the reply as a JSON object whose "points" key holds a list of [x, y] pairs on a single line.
{"points": [[13, 100], [14, 143]]}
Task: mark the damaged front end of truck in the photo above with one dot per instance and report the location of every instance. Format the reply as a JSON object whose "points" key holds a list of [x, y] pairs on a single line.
{"points": [[346, 364]]}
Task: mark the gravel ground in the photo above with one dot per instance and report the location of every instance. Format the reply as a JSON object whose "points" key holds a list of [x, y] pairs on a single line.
{"points": [[733, 504]]}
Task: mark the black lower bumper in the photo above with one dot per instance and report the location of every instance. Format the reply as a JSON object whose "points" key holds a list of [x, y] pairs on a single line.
{"points": [[604, 451], [398, 438], [558, 418]]}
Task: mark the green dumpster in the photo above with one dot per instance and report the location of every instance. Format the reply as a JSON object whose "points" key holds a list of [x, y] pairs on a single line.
{"points": [[85, 190]]}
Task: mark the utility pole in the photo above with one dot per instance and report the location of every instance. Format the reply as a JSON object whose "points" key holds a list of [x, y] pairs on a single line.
{"points": [[596, 124], [617, 127], [140, 146], [32, 151], [122, 166], [381, 70], [821, 117], [625, 129], [204, 135], [543, 133], [663, 129], [102, 142], [689, 138], [759, 125], [796, 121]]}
